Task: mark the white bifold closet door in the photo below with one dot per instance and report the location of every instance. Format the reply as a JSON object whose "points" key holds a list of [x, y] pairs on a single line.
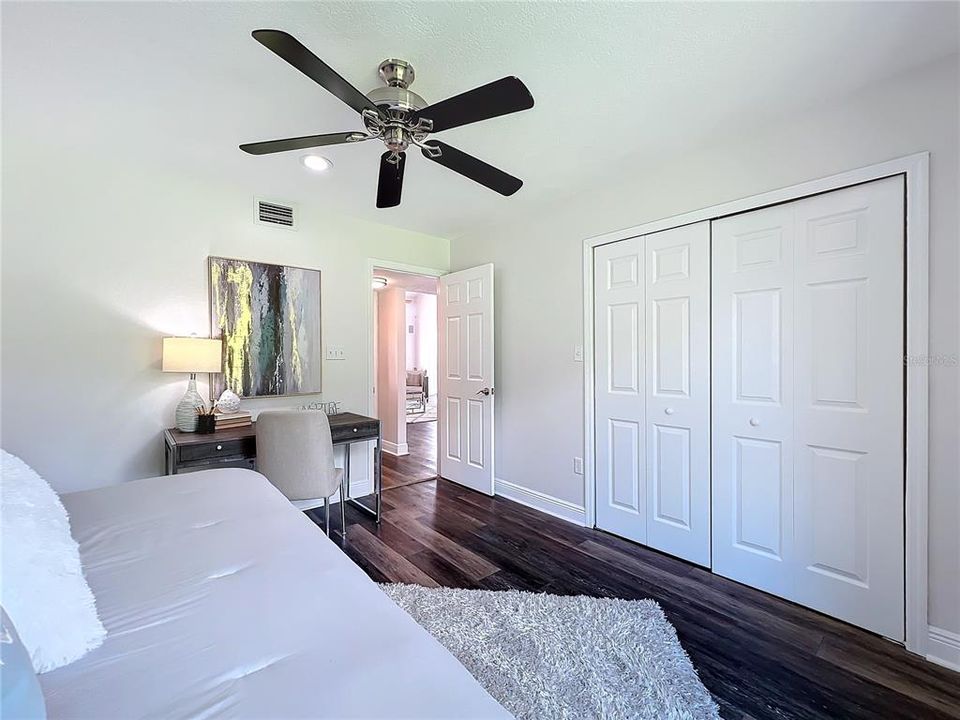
{"points": [[808, 444], [652, 392]]}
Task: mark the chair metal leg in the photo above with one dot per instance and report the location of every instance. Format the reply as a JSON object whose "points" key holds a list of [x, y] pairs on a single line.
{"points": [[343, 511], [326, 515]]}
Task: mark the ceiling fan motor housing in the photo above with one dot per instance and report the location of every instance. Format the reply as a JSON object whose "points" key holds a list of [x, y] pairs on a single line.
{"points": [[398, 75], [397, 103]]}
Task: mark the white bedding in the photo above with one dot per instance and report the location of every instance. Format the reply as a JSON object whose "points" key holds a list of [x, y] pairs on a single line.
{"points": [[222, 600]]}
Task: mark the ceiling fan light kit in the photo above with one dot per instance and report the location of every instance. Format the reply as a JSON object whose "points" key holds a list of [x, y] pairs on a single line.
{"points": [[399, 118]]}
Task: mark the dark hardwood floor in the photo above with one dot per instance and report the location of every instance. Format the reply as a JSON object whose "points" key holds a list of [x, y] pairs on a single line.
{"points": [[759, 656], [420, 464]]}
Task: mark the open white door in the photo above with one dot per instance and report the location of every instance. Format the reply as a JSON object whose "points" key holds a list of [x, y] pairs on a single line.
{"points": [[466, 390]]}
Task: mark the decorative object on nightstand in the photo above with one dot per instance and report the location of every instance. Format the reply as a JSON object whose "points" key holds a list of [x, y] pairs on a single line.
{"points": [[191, 355], [206, 421], [241, 418], [228, 402]]}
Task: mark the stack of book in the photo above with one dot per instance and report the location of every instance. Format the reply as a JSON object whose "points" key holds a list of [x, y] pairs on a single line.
{"points": [[233, 420]]}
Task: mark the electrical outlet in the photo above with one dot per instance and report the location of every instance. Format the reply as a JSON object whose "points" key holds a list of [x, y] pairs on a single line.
{"points": [[578, 466], [578, 353], [335, 352]]}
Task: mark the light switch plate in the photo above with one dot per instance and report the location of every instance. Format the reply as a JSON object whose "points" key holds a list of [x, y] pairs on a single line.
{"points": [[335, 352], [578, 353], [578, 466]]}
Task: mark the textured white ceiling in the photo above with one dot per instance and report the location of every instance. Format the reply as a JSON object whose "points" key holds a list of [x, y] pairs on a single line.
{"points": [[617, 85]]}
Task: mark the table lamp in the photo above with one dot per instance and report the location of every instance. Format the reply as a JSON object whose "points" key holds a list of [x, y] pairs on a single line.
{"points": [[191, 355]]}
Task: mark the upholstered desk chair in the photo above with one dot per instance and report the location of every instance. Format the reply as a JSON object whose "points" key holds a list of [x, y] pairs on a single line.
{"points": [[295, 452]]}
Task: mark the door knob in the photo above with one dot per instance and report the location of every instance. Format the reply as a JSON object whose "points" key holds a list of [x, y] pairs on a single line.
{"points": [[485, 391], [754, 422], [669, 411]]}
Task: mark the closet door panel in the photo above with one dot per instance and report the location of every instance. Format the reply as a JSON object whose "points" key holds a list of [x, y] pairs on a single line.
{"points": [[752, 430], [808, 407], [677, 298], [849, 419], [619, 392]]}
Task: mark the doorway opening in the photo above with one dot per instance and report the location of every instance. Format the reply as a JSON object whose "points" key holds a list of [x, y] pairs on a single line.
{"points": [[405, 356]]}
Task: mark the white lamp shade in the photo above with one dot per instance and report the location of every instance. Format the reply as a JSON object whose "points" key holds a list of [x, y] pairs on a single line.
{"points": [[192, 355]]}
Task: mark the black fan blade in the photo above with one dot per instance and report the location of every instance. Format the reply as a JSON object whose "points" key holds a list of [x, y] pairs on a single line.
{"points": [[506, 95], [300, 143], [391, 181], [294, 52], [476, 170]]}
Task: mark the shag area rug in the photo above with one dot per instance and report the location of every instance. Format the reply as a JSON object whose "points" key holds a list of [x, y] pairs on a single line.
{"points": [[556, 657]]}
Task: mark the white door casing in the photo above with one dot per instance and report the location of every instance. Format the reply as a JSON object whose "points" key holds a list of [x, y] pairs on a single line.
{"points": [[466, 389], [677, 398], [808, 445], [652, 390]]}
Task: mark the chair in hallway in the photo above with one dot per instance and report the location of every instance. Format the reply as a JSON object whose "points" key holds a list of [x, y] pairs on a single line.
{"points": [[417, 390], [295, 453]]}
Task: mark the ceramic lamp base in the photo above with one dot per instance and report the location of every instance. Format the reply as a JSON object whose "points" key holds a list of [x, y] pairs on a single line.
{"points": [[187, 409]]}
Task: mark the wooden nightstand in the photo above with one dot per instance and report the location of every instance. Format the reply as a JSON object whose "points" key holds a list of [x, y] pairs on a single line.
{"points": [[194, 451], [238, 447]]}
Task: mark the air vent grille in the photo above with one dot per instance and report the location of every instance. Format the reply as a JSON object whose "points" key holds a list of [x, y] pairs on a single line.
{"points": [[276, 214]]}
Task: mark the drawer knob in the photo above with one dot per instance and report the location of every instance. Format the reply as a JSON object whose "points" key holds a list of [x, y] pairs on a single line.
{"points": [[219, 447], [669, 411], [754, 422]]}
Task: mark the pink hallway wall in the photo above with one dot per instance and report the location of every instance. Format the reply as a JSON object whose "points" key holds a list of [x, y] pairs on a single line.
{"points": [[392, 368], [426, 326], [413, 350]]}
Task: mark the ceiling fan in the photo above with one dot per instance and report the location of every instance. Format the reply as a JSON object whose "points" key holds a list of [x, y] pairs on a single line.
{"points": [[400, 118]]}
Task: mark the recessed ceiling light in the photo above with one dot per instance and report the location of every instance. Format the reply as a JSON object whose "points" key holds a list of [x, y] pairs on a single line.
{"points": [[379, 282], [316, 163]]}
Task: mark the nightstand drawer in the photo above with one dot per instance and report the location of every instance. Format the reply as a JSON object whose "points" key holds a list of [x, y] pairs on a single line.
{"points": [[243, 447], [360, 429]]}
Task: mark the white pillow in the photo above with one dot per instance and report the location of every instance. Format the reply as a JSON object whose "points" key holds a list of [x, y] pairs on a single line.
{"points": [[42, 587]]}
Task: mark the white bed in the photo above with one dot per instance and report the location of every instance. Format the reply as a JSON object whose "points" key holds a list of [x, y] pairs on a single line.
{"points": [[222, 600]]}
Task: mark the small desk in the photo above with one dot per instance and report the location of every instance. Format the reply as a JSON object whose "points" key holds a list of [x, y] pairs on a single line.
{"points": [[238, 446]]}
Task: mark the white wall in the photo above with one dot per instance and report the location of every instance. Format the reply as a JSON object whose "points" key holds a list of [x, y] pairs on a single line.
{"points": [[539, 284], [103, 255]]}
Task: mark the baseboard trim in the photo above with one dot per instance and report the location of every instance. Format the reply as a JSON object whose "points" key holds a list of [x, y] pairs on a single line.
{"points": [[563, 509], [396, 449], [943, 648]]}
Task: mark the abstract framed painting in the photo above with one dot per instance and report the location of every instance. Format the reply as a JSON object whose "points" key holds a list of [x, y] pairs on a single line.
{"points": [[269, 319]]}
